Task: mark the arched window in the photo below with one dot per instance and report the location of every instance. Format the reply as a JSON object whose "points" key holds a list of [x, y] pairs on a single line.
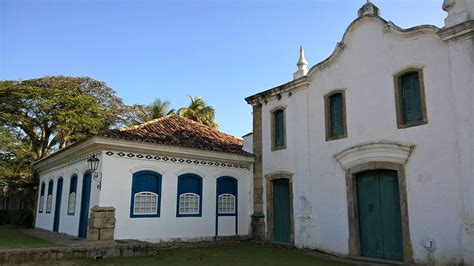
{"points": [[335, 112], [49, 199], [410, 98], [226, 204], [41, 200], [146, 189], [71, 207], [189, 203], [226, 195], [189, 195], [278, 130]]}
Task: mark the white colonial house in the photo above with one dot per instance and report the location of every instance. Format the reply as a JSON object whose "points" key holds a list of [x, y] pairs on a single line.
{"points": [[168, 179], [370, 152]]}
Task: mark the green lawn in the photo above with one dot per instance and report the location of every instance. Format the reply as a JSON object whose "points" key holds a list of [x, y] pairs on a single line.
{"points": [[225, 255], [11, 237]]}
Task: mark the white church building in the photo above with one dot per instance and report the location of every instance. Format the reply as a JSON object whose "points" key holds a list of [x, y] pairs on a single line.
{"points": [[368, 153]]}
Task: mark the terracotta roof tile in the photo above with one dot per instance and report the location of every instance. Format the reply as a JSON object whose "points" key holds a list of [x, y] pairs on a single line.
{"points": [[179, 131]]}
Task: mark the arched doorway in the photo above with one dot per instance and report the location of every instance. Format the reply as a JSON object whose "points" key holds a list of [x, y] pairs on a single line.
{"points": [[57, 206], [85, 202]]}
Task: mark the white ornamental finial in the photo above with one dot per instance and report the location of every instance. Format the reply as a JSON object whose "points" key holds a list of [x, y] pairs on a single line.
{"points": [[302, 61], [302, 65]]}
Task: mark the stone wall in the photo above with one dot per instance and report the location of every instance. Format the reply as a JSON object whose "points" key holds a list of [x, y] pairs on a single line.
{"points": [[111, 249], [101, 224], [258, 216]]}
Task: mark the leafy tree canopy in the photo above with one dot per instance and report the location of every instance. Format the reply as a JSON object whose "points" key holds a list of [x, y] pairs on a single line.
{"points": [[199, 111], [55, 111]]}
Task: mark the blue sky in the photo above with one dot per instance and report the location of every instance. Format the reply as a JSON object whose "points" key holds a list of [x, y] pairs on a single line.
{"points": [[222, 50]]}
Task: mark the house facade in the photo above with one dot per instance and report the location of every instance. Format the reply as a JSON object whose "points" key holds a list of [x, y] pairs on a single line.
{"points": [[370, 152], [170, 179]]}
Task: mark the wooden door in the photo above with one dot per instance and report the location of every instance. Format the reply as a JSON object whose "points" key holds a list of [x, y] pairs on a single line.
{"points": [[379, 215], [85, 202], [57, 207], [281, 210]]}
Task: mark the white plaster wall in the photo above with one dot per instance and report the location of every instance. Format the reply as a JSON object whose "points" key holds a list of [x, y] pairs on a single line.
{"points": [[365, 70], [116, 192], [248, 143], [68, 224]]}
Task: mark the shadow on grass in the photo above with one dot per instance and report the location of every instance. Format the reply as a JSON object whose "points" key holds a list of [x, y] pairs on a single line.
{"points": [[12, 237], [236, 254]]}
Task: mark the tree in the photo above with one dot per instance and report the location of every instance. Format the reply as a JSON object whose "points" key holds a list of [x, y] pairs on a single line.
{"points": [[199, 111], [160, 109], [52, 112], [16, 181]]}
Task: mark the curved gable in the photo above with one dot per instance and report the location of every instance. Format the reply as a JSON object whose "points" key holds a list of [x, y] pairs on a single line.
{"points": [[388, 27]]}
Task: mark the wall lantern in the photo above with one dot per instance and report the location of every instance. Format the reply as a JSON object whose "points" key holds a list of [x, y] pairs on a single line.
{"points": [[93, 163]]}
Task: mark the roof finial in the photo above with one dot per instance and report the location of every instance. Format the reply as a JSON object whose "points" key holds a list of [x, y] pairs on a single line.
{"points": [[302, 65], [369, 9]]}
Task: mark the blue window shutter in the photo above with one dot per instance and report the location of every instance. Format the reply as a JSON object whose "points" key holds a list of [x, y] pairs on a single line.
{"points": [[336, 115], [42, 189], [279, 129], [50, 187], [73, 186], [146, 181], [226, 185], [411, 98], [189, 183]]}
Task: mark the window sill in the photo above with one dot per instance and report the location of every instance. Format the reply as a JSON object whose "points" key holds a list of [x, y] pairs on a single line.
{"points": [[144, 216], [414, 124], [226, 214], [279, 148], [188, 215], [336, 138]]}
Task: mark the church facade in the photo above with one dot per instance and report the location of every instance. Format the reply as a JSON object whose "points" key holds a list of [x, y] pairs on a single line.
{"points": [[370, 152]]}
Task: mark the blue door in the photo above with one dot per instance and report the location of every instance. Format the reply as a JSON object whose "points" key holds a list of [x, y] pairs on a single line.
{"points": [[57, 207], [85, 201]]}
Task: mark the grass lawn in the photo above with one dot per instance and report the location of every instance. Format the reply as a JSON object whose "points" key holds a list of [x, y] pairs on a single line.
{"points": [[11, 237], [225, 255]]}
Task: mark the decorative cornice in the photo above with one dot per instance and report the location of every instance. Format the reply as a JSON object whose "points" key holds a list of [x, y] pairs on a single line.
{"points": [[389, 27], [459, 31], [75, 161], [84, 149], [379, 151], [173, 159], [287, 87]]}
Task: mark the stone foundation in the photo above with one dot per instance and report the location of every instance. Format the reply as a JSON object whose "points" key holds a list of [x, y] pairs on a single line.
{"points": [[121, 248], [101, 224]]}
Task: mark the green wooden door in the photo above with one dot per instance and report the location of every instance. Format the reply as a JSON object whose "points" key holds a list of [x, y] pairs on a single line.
{"points": [[281, 210], [379, 215]]}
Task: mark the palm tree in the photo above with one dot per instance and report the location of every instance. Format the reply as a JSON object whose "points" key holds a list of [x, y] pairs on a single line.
{"points": [[160, 108], [199, 111]]}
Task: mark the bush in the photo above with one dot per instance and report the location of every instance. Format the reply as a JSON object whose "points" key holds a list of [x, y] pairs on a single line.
{"points": [[17, 217], [4, 217]]}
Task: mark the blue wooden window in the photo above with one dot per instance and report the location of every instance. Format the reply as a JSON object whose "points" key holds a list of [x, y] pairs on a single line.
{"points": [[411, 98], [336, 113], [146, 194], [41, 201], [49, 199], [279, 129], [71, 209], [189, 196], [226, 196]]}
